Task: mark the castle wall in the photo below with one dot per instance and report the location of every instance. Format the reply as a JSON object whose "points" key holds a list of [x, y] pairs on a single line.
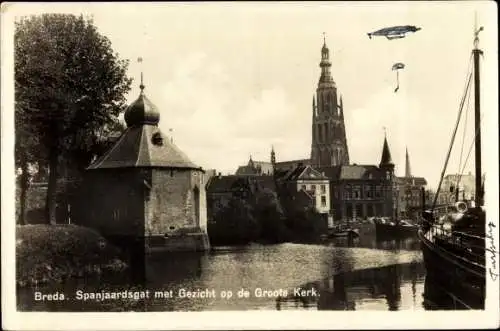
{"points": [[170, 205], [111, 201], [176, 211]]}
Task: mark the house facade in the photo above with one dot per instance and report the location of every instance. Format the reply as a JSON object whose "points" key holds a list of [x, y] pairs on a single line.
{"points": [[361, 191], [309, 186]]}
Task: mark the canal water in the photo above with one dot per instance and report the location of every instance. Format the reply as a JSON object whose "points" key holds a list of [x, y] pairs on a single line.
{"points": [[336, 275]]}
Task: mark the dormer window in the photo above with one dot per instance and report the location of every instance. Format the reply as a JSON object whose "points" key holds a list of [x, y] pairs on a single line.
{"points": [[157, 139], [388, 175]]}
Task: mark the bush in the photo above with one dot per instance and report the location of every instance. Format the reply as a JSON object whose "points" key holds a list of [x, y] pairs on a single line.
{"points": [[307, 224], [53, 253]]}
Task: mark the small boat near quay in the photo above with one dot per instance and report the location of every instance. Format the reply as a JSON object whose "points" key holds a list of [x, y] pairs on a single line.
{"points": [[395, 229]]}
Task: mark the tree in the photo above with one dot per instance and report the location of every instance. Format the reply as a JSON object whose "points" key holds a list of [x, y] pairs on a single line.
{"points": [[270, 215], [69, 87], [235, 224], [26, 151]]}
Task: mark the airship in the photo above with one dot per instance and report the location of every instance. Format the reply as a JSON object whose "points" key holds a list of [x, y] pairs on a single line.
{"points": [[394, 32]]}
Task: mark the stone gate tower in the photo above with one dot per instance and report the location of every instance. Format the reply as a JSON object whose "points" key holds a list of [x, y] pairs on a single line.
{"points": [[329, 142]]}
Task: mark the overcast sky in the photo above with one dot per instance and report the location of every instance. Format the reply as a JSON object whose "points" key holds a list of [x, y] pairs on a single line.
{"points": [[232, 79]]}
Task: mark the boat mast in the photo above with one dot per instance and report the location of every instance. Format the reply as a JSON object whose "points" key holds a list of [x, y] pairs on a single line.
{"points": [[477, 117]]}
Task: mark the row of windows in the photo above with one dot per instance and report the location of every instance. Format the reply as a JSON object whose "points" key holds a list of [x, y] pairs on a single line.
{"points": [[358, 195], [313, 188]]}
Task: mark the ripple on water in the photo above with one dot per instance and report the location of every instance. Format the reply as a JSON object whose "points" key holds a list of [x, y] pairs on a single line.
{"points": [[268, 267], [288, 265]]}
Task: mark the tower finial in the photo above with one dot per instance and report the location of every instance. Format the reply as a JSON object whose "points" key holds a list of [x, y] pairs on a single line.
{"points": [[324, 38], [139, 60]]}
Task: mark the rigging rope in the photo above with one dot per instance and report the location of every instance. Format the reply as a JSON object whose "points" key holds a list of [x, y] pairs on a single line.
{"points": [[453, 135], [468, 154], [463, 141]]}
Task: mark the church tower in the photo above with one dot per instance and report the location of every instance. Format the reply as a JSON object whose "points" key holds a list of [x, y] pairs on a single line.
{"points": [[329, 142]]}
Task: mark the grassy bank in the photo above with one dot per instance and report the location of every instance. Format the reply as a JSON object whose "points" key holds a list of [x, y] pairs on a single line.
{"points": [[53, 253]]}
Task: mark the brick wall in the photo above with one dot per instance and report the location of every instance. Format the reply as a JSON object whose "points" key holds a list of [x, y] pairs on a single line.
{"points": [[177, 201]]}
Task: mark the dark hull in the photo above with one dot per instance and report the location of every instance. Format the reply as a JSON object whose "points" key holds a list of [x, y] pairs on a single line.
{"points": [[452, 276], [387, 231]]}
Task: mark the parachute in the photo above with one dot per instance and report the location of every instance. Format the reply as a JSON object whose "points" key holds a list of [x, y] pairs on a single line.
{"points": [[397, 67]]}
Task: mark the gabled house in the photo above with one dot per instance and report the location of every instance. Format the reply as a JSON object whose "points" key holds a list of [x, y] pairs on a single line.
{"points": [[303, 187]]}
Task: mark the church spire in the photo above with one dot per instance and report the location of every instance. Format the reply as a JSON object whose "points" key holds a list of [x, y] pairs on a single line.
{"points": [[325, 63], [328, 143], [407, 165]]}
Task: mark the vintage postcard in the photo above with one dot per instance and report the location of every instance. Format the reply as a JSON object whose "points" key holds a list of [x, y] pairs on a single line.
{"points": [[262, 165]]}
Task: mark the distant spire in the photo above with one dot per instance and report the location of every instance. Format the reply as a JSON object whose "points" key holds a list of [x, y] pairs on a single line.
{"points": [[407, 165], [324, 38]]}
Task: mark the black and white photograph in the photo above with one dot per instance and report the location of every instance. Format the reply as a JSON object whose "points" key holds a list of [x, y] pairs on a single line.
{"points": [[260, 161]]}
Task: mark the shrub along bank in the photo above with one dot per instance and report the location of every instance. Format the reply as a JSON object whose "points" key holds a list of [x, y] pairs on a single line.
{"points": [[262, 220], [53, 253]]}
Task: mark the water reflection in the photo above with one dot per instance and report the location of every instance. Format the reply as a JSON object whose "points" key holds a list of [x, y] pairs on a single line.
{"points": [[345, 275], [439, 297], [408, 244], [393, 287]]}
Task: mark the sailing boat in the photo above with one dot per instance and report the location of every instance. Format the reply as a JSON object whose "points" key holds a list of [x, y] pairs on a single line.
{"points": [[453, 239]]}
